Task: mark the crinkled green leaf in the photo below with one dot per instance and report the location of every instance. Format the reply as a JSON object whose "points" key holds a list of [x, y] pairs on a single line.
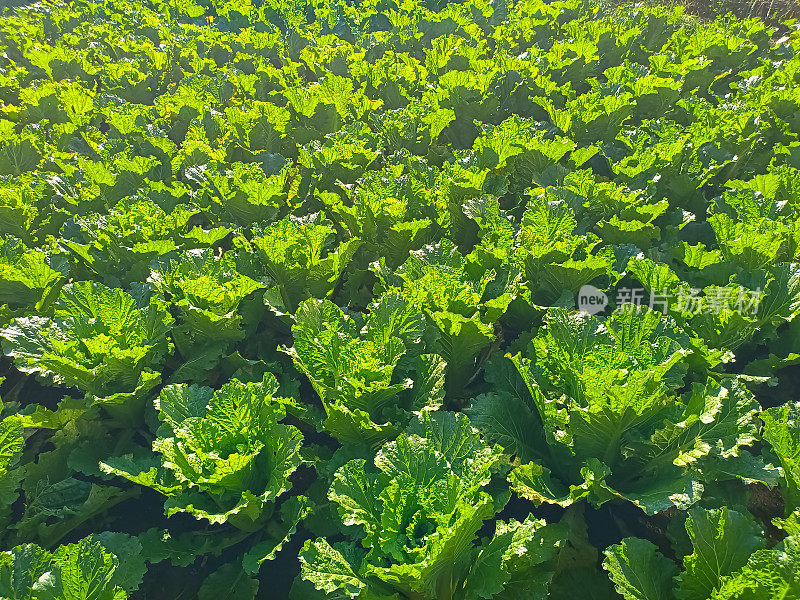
{"points": [[639, 571], [723, 540]]}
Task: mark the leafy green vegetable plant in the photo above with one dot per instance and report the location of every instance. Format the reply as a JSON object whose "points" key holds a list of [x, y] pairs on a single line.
{"points": [[252, 253], [729, 560], [605, 420], [222, 456], [99, 340], [419, 509]]}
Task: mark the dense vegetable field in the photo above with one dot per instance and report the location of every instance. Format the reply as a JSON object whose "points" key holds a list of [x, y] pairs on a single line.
{"points": [[289, 302]]}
